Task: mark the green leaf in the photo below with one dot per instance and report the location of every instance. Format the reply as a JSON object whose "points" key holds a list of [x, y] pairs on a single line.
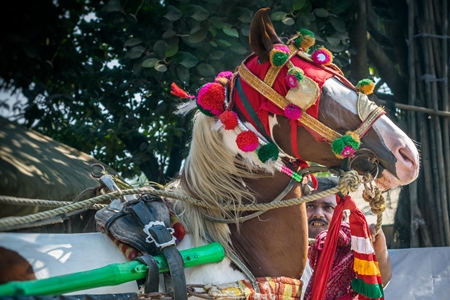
{"points": [[213, 31], [205, 70], [198, 36], [161, 68], [333, 41], [231, 32], [245, 29], [171, 50], [183, 73], [173, 13], [217, 55], [168, 34], [135, 52], [160, 48], [298, 4], [304, 20], [200, 13], [278, 16], [246, 19], [321, 12], [113, 6], [188, 60], [288, 21], [223, 43], [150, 62], [216, 22], [239, 49], [132, 42], [338, 24]]}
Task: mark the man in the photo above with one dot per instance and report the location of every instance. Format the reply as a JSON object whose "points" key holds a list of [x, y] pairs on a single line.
{"points": [[319, 214]]}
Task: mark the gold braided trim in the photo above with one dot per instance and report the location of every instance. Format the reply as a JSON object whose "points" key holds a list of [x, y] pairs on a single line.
{"points": [[306, 119], [371, 118], [302, 54], [273, 72]]}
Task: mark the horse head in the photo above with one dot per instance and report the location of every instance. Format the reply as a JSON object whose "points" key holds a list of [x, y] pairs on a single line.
{"points": [[280, 109], [279, 79]]}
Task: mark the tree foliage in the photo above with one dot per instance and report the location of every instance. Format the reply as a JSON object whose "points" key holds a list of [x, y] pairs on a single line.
{"points": [[96, 75]]}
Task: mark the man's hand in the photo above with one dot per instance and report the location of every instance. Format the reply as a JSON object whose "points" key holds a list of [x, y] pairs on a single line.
{"points": [[384, 262]]}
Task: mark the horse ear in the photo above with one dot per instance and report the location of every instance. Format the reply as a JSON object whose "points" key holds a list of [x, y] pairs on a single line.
{"points": [[262, 35]]}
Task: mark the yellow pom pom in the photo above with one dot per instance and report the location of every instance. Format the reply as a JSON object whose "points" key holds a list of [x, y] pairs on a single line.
{"points": [[366, 86]]}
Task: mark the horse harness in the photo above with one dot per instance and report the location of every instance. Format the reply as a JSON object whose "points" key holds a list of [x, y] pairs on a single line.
{"points": [[368, 111], [144, 224]]}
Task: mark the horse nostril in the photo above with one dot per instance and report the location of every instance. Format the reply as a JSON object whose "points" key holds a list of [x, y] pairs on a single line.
{"points": [[407, 156]]}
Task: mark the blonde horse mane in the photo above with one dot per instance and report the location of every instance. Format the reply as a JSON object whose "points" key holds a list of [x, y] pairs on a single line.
{"points": [[213, 173]]}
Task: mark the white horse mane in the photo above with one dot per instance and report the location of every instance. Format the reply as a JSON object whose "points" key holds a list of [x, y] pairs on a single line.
{"points": [[213, 172]]}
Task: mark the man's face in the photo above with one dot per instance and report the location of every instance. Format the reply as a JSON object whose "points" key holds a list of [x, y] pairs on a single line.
{"points": [[319, 214]]}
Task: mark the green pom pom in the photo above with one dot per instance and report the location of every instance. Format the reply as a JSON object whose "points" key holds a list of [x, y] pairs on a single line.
{"points": [[306, 32], [280, 58], [305, 39], [297, 72], [269, 151], [347, 140]]}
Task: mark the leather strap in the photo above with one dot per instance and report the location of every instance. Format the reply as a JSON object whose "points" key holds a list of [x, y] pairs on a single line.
{"points": [[152, 279], [251, 111], [165, 244]]}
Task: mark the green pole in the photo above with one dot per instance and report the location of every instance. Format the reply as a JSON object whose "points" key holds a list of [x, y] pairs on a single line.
{"points": [[112, 274]]}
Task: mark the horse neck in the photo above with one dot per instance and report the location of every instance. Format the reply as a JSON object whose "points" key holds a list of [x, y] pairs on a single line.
{"points": [[275, 243]]}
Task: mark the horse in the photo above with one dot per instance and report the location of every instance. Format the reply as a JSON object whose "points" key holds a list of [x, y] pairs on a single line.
{"points": [[253, 133]]}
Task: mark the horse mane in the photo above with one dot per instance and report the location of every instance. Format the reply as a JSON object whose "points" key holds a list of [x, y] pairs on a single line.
{"points": [[214, 173]]}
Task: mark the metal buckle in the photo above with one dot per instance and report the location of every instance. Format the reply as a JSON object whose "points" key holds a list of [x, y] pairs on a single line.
{"points": [[151, 239]]}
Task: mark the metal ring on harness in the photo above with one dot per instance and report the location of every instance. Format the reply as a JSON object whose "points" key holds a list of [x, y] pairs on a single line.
{"points": [[373, 159]]}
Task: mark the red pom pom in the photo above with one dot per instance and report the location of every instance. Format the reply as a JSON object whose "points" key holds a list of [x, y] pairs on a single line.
{"points": [[179, 231], [247, 141], [229, 120], [212, 97]]}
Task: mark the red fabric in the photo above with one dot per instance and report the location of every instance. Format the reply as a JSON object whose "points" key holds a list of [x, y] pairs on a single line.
{"points": [[326, 259], [262, 105], [339, 283]]}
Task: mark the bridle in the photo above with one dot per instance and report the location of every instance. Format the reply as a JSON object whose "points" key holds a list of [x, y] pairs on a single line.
{"points": [[320, 130]]}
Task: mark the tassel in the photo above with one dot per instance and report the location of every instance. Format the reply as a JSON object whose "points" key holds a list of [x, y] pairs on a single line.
{"points": [[177, 91]]}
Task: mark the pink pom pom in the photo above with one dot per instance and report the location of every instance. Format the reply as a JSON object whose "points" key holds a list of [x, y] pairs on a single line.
{"points": [[282, 48], [292, 112], [229, 120], [322, 57], [247, 141], [348, 151], [291, 81], [225, 74]]}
